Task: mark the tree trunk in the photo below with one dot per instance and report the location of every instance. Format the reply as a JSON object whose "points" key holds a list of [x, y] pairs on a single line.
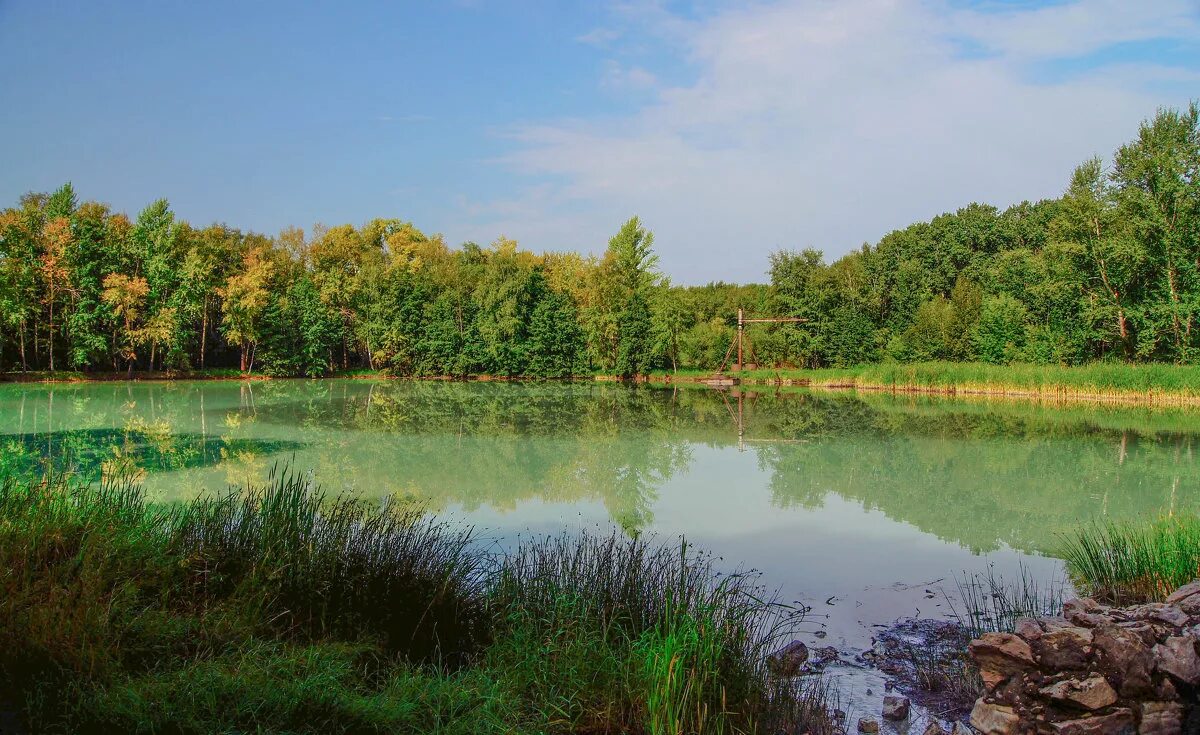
{"points": [[24, 365], [242, 363], [204, 331], [52, 330]]}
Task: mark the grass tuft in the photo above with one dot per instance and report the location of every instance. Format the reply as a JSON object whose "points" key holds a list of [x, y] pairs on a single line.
{"points": [[1127, 563]]}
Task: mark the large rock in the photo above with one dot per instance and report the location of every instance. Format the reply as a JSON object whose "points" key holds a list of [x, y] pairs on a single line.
{"points": [[1125, 659], [994, 719], [1186, 598], [1177, 657], [1001, 655], [1118, 722], [1161, 718], [895, 708], [1086, 613], [1064, 649], [868, 725], [789, 660], [1092, 693]]}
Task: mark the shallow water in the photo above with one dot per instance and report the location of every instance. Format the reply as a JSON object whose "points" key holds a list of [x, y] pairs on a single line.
{"points": [[864, 507]]}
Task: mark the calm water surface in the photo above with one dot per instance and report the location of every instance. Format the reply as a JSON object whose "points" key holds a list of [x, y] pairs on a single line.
{"points": [[862, 506]]}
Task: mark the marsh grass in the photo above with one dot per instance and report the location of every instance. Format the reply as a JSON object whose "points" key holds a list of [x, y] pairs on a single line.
{"points": [[686, 644], [280, 609], [1128, 563], [1160, 383], [987, 602]]}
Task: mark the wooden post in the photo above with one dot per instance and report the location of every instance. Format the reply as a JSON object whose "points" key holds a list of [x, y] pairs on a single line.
{"points": [[741, 329]]}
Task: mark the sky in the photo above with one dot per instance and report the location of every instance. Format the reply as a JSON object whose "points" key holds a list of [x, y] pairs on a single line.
{"points": [[733, 129]]}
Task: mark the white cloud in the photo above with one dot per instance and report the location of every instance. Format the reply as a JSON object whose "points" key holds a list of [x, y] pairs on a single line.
{"points": [[828, 123]]}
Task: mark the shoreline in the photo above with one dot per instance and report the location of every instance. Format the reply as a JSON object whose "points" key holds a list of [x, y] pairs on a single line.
{"points": [[1056, 393]]}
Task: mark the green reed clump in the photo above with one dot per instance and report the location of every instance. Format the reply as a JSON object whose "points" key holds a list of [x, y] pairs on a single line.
{"points": [[320, 566], [609, 632], [279, 609], [1131, 562]]}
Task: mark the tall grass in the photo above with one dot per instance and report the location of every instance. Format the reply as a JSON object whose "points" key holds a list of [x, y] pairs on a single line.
{"points": [[1161, 383], [1128, 562], [278, 608], [686, 644]]}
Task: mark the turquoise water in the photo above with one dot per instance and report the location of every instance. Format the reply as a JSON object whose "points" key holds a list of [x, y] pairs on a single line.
{"points": [[865, 507]]}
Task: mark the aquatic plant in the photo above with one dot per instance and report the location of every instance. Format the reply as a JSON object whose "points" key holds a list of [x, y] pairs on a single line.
{"points": [[987, 602], [1126, 563]]}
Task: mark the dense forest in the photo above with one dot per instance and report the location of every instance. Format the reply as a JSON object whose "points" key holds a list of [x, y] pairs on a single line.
{"points": [[1108, 271]]}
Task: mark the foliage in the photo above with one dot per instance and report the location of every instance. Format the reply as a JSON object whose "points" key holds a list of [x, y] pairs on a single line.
{"points": [[1127, 563], [279, 609], [1109, 271]]}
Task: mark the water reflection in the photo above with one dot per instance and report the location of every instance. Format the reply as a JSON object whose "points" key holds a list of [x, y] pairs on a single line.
{"points": [[980, 475]]}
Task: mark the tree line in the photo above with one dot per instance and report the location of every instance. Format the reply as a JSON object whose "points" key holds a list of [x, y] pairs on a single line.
{"points": [[1109, 270]]}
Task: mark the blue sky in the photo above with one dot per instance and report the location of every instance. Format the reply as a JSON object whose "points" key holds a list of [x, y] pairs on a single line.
{"points": [[732, 129]]}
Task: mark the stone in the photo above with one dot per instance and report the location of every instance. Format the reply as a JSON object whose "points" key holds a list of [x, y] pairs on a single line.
{"points": [[789, 660], [1188, 590], [994, 719], [934, 728], [868, 725], [1085, 612], [1064, 649], [1161, 718], [826, 655], [1177, 656], [1161, 613], [992, 678], [1126, 659], [895, 708], [1028, 629], [1092, 693], [1118, 722], [1001, 654]]}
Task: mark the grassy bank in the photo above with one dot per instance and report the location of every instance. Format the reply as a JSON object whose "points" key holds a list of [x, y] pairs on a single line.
{"points": [[1156, 382], [1129, 563], [277, 609], [1164, 383]]}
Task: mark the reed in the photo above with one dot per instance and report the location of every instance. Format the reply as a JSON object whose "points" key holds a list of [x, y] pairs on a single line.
{"points": [[1158, 383], [1127, 563], [279, 609]]}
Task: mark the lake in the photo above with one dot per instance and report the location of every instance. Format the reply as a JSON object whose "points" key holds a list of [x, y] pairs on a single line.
{"points": [[865, 507]]}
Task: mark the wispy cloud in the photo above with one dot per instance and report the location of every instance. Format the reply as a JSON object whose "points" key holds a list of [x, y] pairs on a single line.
{"points": [[827, 123]]}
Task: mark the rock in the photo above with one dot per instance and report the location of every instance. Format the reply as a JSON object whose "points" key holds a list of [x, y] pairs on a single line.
{"points": [[827, 654], [1064, 649], [788, 660], [868, 725], [994, 719], [1119, 722], [1161, 718], [1125, 659], [1001, 653], [1177, 657], [1085, 612], [1028, 628], [934, 728], [895, 708], [1091, 694], [1191, 589]]}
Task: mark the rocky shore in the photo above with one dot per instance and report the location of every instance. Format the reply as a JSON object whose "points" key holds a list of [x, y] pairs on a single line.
{"points": [[1096, 670]]}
